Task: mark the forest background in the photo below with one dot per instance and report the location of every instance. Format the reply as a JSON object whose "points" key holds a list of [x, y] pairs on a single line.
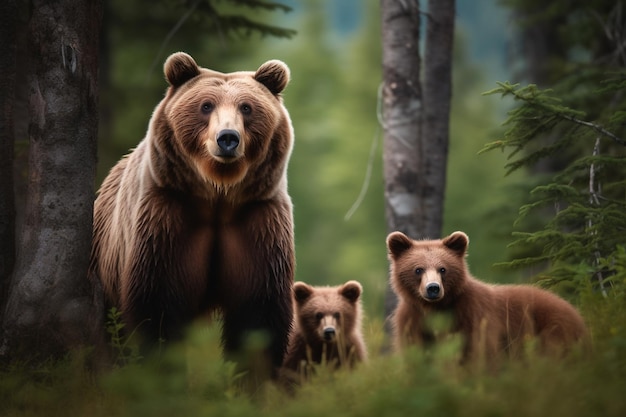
{"points": [[336, 183], [333, 101]]}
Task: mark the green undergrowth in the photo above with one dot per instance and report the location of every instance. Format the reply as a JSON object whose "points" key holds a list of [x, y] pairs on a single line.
{"points": [[191, 379]]}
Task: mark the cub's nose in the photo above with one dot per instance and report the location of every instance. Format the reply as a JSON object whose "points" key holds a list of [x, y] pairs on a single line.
{"points": [[433, 290], [329, 333], [228, 141]]}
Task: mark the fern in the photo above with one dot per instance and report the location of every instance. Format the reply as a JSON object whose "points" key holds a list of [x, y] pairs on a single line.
{"points": [[123, 350]]}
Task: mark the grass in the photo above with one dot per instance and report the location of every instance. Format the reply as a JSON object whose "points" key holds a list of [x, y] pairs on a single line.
{"points": [[191, 379]]}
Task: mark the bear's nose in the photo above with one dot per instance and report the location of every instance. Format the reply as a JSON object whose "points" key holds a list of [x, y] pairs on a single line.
{"points": [[228, 140], [329, 333], [433, 290]]}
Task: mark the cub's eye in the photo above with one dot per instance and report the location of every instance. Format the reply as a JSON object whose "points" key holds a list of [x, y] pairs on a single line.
{"points": [[442, 271], [419, 271], [319, 316], [337, 315], [245, 109], [207, 107]]}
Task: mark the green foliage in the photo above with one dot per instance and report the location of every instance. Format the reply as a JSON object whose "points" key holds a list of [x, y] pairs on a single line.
{"points": [[232, 17], [125, 352], [583, 206], [191, 379]]}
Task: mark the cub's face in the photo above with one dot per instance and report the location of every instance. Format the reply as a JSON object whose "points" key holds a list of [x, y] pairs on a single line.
{"points": [[327, 314], [227, 124], [429, 270]]}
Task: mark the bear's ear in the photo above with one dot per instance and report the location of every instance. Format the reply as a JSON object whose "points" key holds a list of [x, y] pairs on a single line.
{"points": [[397, 243], [302, 291], [351, 290], [180, 68], [457, 242], [274, 75]]}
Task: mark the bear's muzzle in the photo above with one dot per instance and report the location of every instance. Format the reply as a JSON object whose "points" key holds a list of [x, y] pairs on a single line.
{"points": [[228, 141]]}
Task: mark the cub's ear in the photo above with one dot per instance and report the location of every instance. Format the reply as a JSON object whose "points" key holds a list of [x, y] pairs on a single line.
{"points": [[398, 243], [274, 75], [180, 68], [302, 291], [351, 290], [457, 242]]}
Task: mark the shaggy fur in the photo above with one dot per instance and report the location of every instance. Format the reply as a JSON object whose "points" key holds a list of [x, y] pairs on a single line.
{"points": [[183, 227], [432, 276], [327, 327]]}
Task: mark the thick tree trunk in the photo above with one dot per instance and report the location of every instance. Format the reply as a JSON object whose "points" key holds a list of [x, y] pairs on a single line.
{"points": [[8, 41], [402, 110], [416, 119], [52, 306]]}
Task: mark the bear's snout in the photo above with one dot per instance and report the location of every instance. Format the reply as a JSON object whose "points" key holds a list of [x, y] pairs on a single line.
{"points": [[228, 141], [329, 333], [433, 291]]}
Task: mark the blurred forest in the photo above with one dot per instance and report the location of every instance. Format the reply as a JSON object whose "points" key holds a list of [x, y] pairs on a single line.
{"points": [[335, 173]]}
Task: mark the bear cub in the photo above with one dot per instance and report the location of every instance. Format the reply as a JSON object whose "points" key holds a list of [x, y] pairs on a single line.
{"points": [[432, 276], [327, 328]]}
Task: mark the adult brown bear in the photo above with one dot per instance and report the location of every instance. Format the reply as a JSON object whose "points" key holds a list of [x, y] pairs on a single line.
{"points": [[197, 217]]}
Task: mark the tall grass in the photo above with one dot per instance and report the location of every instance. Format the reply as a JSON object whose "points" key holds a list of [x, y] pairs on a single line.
{"points": [[191, 379]]}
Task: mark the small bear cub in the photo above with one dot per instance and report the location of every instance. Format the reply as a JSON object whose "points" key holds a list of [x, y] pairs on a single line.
{"points": [[326, 328]]}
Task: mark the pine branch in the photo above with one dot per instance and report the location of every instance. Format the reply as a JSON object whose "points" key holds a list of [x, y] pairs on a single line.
{"points": [[258, 4], [595, 127], [235, 23], [539, 113]]}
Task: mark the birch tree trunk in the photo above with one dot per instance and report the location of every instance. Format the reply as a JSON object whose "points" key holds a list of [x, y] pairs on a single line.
{"points": [[415, 117], [51, 305], [401, 111]]}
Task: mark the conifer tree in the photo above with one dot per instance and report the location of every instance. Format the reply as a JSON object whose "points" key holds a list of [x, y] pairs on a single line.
{"points": [[582, 207], [572, 139]]}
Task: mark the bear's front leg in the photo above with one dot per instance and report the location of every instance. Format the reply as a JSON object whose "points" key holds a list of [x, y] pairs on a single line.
{"points": [[163, 285], [257, 260], [255, 335]]}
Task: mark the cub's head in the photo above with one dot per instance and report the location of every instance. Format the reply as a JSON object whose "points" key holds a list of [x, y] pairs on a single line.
{"points": [[225, 125], [431, 271], [327, 314]]}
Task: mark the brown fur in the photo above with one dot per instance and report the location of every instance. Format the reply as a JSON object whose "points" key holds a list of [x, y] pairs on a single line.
{"points": [[182, 229], [327, 327], [491, 318]]}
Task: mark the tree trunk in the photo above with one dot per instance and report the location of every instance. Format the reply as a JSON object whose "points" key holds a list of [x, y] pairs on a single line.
{"points": [[436, 115], [402, 109], [8, 40], [51, 305], [415, 119]]}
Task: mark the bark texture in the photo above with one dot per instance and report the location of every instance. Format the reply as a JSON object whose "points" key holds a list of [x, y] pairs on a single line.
{"points": [[8, 40], [51, 305], [402, 110], [415, 117], [436, 115]]}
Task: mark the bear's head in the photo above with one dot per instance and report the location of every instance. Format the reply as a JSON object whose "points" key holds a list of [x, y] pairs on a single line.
{"points": [[327, 314], [225, 126], [431, 271]]}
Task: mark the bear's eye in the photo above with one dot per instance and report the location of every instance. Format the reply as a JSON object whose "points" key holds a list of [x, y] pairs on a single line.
{"points": [[442, 270], [207, 107], [419, 271], [337, 315], [245, 109], [319, 316]]}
